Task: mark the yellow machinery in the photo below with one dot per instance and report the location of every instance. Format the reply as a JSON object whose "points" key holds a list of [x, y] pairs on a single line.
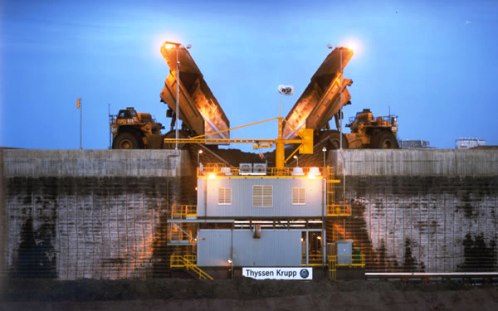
{"points": [[324, 98], [189, 99], [198, 109], [305, 142], [135, 130]]}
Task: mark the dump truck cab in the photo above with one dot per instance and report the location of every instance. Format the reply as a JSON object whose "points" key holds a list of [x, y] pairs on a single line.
{"points": [[135, 130]]}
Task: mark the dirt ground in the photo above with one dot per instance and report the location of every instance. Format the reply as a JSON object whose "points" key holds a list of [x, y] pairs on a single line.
{"points": [[245, 294]]}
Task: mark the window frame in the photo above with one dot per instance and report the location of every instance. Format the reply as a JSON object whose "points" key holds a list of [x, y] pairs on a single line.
{"points": [[301, 196], [224, 191], [263, 197]]}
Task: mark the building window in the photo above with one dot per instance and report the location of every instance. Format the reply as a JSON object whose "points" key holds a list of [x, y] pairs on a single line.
{"points": [[224, 196], [262, 196], [298, 196]]}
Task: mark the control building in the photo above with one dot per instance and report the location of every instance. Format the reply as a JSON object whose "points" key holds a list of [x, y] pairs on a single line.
{"points": [[254, 216]]}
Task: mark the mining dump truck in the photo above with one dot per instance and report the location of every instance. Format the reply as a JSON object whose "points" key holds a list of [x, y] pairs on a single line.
{"points": [[368, 131], [199, 111], [135, 130], [324, 98]]}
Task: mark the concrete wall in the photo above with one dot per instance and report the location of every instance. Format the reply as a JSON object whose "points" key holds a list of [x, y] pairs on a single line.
{"points": [[428, 210], [94, 163], [102, 214], [75, 214], [423, 162]]}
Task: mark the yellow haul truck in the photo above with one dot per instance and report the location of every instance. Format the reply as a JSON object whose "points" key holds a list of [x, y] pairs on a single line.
{"points": [[190, 100], [135, 130], [324, 98], [198, 109]]}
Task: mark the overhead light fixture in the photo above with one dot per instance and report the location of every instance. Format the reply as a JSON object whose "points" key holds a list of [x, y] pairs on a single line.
{"points": [[286, 89]]}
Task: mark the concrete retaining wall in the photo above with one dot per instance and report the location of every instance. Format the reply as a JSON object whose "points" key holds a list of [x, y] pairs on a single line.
{"points": [[102, 214], [75, 214], [426, 210], [94, 163], [413, 162]]}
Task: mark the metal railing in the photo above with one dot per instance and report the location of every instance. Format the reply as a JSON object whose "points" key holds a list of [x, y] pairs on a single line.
{"points": [[187, 262], [357, 261], [339, 209], [314, 260], [221, 169], [184, 211]]}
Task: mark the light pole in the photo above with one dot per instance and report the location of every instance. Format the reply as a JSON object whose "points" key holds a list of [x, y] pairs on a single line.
{"points": [[340, 92], [199, 160], [199, 156], [324, 204], [80, 108], [177, 46], [340, 100], [230, 264], [324, 150], [284, 90], [297, 160]]}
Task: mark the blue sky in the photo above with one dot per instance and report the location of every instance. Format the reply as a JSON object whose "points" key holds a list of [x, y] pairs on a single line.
{"points": [[433, 63]]}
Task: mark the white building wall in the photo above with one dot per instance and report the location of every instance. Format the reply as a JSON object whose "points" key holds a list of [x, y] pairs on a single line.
{"points": [[274, 248], [242, 205]]}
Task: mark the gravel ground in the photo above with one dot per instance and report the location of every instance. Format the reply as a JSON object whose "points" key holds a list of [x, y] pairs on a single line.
{"points": [[244, 294]]}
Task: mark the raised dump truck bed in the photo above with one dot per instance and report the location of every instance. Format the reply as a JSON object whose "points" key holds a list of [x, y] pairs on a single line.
{"points": [[320, 101], [199, 109]]}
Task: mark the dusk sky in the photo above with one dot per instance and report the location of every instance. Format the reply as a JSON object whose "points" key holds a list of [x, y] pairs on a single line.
{"points": [[432, 63]]}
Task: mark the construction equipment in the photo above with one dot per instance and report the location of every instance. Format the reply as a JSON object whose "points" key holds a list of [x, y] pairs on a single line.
{"points": [[324, 98], [135, 130], [366, 130], [198, 108], [304, 140], [203, 120]]}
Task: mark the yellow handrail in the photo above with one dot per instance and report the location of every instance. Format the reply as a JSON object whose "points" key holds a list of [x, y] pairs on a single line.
{"points": [[343, 209], [315, 260], [357, 261], [183, 211], [188, 262]]}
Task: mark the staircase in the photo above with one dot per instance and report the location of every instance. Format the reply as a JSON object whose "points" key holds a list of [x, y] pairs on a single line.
{"points": [[187, 262]]}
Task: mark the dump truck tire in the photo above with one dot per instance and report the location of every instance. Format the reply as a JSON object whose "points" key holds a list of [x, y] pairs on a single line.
{"points": [[332, 140], [385, 140], [155, 141], [127, 140]]}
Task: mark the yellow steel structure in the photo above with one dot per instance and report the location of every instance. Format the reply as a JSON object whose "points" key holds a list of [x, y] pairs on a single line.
{"points": [[305, 142], [358, 261], [187, 262]]}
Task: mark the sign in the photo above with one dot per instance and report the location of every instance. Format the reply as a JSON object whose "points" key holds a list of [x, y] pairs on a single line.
{"points": [[295, 274]]}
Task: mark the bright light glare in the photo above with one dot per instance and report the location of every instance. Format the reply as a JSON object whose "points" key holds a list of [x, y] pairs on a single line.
{"points": [[353, 44], [313, 172], [211, 175], [169, 46]]}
